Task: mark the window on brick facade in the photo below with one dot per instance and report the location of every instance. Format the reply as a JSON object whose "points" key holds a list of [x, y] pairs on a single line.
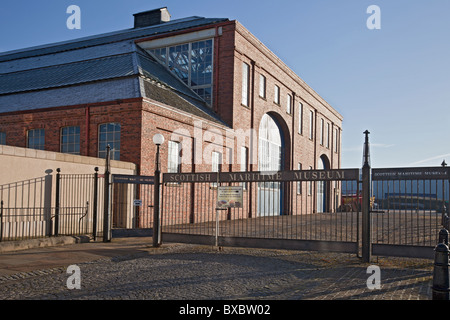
{"points": [[300, 118], [245, 83], [336, 140], [2, 138], [192, 63], [216, 164], [299, 183], [262, 86], [244, 163], [109, 134], [36, 139], [174, 158], [328, 135], [289, 104], [70, 140], [321, 132], [276, 97], [311, 124], [310, 185]]}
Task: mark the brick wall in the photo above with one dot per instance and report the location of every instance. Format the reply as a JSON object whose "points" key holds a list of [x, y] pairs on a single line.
{"points": [[87, 117]]}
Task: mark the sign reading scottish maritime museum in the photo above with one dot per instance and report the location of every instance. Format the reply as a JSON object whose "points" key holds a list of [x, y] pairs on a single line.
{"points": [[300, 175]]}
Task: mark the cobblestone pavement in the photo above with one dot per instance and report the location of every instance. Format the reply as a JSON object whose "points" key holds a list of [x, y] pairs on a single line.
{"points": [[191, 272]]}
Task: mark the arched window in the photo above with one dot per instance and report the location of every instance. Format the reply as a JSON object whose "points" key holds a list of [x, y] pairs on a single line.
{"points": [[270, 145], [270, 153]]}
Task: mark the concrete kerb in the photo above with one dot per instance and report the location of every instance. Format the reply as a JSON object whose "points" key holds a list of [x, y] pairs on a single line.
{"points": [[12, 246]]}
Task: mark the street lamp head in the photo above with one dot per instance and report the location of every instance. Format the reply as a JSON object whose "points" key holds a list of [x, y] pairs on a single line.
{"points": [[158, 139]]}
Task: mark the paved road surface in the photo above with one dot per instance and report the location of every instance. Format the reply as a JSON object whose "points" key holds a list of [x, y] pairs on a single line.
{"points": [[130, 269]]}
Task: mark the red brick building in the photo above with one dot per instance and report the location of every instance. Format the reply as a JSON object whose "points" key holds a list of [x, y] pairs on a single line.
{"points": [[207, 85]]}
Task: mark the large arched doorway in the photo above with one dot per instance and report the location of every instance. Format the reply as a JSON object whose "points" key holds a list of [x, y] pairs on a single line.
{"points": [[322, 186], [270, 160]]}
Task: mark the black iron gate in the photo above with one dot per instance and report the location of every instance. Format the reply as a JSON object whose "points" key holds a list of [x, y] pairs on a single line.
{"points": [[132, 202], [278, 210], [407, 211]]}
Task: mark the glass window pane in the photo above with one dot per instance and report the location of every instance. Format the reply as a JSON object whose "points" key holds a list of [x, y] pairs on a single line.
{"points": [[2, 138], [70, 140], [109, 134], [36, 139]]}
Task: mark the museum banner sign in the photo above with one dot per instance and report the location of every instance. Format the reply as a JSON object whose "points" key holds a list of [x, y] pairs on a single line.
{"points": [[425, 173], [280, 176]]}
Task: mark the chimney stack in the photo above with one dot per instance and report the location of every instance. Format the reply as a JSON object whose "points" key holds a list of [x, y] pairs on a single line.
{"points": [[151, 18]]}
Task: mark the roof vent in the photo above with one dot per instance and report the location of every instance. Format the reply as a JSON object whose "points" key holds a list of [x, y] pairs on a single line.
{"points": [[151, 18]]}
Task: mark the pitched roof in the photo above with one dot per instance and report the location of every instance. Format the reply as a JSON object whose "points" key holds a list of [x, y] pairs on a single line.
{"points": [[117, 36], [67, 74], [78, 65]]}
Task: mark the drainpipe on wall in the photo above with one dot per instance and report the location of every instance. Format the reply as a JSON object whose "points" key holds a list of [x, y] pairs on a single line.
{"points": [[87, 121]]}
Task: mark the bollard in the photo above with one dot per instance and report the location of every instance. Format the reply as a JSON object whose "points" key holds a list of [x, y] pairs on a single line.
{"points": [[443, 236], [441, 284]]}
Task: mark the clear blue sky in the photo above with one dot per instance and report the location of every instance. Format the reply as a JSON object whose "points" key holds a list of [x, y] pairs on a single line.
{"points": [[393, 82]]}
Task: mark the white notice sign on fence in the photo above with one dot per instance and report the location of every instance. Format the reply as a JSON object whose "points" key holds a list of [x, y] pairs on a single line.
{"points": [[229, 197]]}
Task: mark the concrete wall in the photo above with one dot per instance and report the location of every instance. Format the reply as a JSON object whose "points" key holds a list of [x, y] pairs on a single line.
{"points": [[27, 192], [20, 164]]}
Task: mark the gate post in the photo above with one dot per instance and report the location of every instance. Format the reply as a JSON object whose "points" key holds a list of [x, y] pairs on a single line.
{"points": [[158, 140], [94, 209], [441, 277], [57, 201], [366, 191], [106, 215]]}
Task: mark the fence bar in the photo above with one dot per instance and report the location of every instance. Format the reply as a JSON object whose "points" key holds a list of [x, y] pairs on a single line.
{"points": [[94, 212], [106, 212]]}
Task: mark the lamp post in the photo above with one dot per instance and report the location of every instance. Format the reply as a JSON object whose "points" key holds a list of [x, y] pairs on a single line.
{"points": [[158, 140]]}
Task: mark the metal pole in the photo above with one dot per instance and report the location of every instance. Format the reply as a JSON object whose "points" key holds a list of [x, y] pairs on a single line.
{"points": [[94, 210], [366, 217], [57, 201], [156, 223], [106, 216]]}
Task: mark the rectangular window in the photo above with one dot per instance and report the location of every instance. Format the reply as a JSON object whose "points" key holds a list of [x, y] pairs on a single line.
{"points": [[328, 135], [36, 139], [310, 185], [300, 118], [174, 158], [244, 163], [262, 86], [245, 84], [216, 164], [70, 140], [289, 104], [336, 141], [276, 97], [299, 183], [311, 124], [321, 132], [109, 134], [2, 138]]}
